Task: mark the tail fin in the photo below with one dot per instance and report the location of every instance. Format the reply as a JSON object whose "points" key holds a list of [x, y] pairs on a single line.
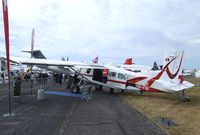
{"points": [[171, 68], [128, 61], [36, 54], [63, 59], [95, 61], [155, 66], [172, 65]]}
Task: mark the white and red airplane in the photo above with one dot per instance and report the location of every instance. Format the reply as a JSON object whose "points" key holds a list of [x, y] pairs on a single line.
{"points": [[129, 65], [166, 80]]}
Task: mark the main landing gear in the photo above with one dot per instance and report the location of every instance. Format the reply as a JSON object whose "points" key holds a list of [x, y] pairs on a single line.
{"points": [[185, 98], [111, 90], [75, 89]]}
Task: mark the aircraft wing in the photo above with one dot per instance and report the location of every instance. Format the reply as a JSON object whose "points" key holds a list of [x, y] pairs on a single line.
{"points": [[94, 66], [12, 59], [51, 62], [59, 63]]}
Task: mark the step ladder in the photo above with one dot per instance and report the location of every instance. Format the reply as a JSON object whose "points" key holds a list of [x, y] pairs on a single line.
{"points": [[86, 91]]}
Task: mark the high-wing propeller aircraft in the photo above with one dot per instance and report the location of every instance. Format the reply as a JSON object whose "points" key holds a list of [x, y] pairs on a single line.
{"points": [[166, 80]]}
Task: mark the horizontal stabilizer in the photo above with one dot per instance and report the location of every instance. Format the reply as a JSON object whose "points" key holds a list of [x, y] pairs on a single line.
{"points": [[178, 87], [36, 54]]}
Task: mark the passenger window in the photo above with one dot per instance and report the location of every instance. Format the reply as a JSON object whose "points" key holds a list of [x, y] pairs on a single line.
{"points": [[136, 71], [121, 76], [88, 70], [112, 74]]}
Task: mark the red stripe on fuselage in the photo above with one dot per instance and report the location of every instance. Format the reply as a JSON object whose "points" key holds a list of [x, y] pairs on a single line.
{"points": [[152, 80], [148, 89], [116, 81], [137, 79]]}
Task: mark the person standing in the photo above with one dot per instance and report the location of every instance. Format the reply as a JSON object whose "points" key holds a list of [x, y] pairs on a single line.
{"points": [[32, 78], [3, 78]]}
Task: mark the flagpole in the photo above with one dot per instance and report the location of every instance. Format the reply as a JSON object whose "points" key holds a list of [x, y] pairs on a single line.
{"points": [[10, 107], [6, 30]]}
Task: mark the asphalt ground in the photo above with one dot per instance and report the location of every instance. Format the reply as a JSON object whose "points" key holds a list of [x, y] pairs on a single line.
{"points": [[105, 114]]}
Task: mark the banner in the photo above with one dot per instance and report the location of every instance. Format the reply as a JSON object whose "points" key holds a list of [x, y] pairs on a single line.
{"points": [[6, 30]]}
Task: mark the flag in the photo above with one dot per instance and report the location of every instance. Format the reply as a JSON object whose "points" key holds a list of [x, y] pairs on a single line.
{"points": [[6, 30]]}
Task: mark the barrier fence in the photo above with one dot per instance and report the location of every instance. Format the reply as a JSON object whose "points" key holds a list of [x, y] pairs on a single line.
{"points": [[32, 85]]}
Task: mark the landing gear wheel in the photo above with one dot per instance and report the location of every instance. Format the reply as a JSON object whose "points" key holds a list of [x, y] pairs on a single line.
{"points": [[187, 99], [75, 89]]}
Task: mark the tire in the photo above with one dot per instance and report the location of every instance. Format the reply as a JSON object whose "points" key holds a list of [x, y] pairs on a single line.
{"points": [[75, 89], [187, 99]]}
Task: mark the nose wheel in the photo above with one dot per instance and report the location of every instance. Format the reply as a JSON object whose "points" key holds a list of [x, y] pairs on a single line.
{"points": [[75, 89]]}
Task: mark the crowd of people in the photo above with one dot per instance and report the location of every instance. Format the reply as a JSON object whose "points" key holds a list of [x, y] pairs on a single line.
{"points": [[38, 78]]}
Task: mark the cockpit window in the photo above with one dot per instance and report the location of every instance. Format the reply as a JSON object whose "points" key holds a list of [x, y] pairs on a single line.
{"points": [[121, 76], [112, 74]]}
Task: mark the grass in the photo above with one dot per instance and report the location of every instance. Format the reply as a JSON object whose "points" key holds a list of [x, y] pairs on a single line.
{"points": [[158, 105]]}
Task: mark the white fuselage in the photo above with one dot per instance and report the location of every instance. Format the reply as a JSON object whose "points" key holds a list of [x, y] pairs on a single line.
{"points": [[122, 79]]}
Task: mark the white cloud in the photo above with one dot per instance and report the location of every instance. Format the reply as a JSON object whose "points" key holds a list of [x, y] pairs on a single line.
{"points": [[112, 29]]}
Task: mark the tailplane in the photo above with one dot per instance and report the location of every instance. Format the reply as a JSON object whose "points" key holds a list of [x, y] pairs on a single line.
{"points": [[36, 54]]}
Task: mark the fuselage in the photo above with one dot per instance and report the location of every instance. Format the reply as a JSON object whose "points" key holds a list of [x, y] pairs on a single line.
{"points": [[117, 78]]}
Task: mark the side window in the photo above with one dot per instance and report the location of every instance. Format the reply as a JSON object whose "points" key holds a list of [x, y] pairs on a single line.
{"points": [[121, 76], [112, 74], [88, 70], [136, 71]]}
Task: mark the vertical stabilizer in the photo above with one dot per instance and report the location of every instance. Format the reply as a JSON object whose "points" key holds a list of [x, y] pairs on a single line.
{"points": [[172, 65], [95, 61], [128, 61]]}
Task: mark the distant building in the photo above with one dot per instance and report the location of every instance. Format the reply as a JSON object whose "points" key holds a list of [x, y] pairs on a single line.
{"points": [[188, 72], [197, 74]]}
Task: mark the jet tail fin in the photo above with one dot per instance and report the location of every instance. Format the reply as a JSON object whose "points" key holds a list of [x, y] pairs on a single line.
{"points": [[155, 67], [128, 61], [36, 54]]}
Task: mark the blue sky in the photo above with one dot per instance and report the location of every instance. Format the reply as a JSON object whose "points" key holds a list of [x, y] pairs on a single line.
{"points": [[112, 29]]}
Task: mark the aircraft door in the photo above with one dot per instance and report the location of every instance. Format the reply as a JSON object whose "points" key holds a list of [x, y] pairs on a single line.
{"points": [[111, 79], [121, 80], [97, 75], [117, 80]]}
